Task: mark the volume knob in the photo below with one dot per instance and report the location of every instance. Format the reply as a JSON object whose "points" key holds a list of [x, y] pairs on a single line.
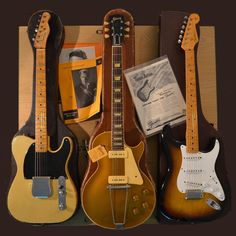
{"points": [[135, 211], [145, 205], [135, 198], [145, 191]]}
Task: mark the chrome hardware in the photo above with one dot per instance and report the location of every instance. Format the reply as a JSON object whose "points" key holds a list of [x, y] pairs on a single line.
{"points": [[193, 194], [41, 187], [119, 225], [213, 204], [62, 193]]}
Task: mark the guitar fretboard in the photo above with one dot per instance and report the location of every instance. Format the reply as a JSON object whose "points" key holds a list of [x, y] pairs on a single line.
{"points": [[117, 99], [192, 141], [40, 103]]}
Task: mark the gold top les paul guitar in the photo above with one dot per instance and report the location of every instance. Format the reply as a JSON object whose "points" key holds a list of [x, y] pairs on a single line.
{"points": [[116, 193], [192, 191], [42, 190]]}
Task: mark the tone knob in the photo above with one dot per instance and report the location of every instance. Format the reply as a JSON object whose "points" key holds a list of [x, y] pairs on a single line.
{"points": [[145, 205], [136, 198], [135, 211], [145, 191]]}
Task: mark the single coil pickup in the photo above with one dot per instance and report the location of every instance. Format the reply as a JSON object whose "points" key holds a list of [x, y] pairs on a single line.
{"points": [[117, 154], [118, 179], [193, 171], [193, 158], [192, 183], [193, 194]]}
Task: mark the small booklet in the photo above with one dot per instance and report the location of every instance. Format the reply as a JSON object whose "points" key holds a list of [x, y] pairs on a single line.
{"points": [[156, 95], [80, 81]]}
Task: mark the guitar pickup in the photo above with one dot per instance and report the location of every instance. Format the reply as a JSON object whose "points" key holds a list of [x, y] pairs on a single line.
{"points": [[41, 187], [117, 154], [118, 179], [62, 193], [193, 194]]}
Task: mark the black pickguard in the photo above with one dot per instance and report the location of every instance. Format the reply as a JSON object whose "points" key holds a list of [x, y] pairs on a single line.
{"points": [[51, 164]]}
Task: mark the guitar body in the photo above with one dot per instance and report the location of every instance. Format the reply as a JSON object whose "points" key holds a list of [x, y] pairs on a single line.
{"points": [[140, 199], [21, 203], [177, 207]]}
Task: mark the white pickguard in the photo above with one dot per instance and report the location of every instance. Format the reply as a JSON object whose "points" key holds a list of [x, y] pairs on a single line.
{"points": [[197, 172]]}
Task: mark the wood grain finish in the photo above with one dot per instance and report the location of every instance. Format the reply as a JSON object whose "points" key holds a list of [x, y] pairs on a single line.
{"points": [[41, 136], [192, 142]]}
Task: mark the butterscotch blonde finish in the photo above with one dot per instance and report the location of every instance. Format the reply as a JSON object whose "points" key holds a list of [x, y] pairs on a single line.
{"points": [[95, 196], [174, 201], [23, 206]]}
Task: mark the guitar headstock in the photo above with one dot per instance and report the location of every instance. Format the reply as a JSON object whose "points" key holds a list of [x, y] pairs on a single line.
{"points": [[42, 31], [116, 29], [188, 37]]}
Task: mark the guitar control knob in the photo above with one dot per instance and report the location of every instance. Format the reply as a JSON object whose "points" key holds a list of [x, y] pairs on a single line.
{"points": [[136, 198], [145, 205], [135, 211], [145, 191]]}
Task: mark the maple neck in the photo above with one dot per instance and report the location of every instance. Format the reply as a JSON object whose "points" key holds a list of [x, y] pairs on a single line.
{"points": [[40, 102], [117, 99], [192, 142]]}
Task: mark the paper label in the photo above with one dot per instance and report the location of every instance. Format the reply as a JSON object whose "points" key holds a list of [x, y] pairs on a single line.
{"points": [[97, 153]]}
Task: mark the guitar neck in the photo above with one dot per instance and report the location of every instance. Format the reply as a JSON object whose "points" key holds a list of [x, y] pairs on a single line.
{"points": [[40, 102], [117, 99], [192, 141]]}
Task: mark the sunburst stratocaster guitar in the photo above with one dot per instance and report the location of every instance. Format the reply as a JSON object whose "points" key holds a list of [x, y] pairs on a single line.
{"points": [[42, 190], [117, 192], [192, 190]]}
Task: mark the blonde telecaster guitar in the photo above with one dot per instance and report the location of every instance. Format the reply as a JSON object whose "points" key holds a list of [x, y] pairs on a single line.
{"points": [[42, 190]]}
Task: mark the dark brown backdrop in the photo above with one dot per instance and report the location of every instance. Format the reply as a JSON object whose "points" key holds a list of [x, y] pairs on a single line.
{"points": [[146, 12]]}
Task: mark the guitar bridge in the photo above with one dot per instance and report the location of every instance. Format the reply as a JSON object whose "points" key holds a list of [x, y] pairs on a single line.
{"points": [[41, 187], [62, 193], [193, 194]]}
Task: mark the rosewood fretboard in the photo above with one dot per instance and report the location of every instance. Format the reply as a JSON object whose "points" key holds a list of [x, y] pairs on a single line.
{"points": [[117, 100]]}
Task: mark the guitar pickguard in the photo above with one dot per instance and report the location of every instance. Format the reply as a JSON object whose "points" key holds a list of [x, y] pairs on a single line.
{"points": [[132, 173], [197, 173], [52, 163]]}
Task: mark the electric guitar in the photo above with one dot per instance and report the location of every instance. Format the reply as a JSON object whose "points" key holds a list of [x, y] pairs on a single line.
{"points": [[42, 190], [117, 191], [192, 190]]}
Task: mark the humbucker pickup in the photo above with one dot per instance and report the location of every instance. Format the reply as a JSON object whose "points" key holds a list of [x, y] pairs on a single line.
{"points": [[117, 154], [118, 179]]}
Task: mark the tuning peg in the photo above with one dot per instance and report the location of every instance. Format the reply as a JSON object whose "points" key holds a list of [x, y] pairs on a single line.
{"points": [[36, 30], [33, 39], [179, 41], [127, 23], [106, 29], [185, 22], [106, 23], [127, 29], [186, 17], [126, 35], [183, 27], [106, 36], [181, 31], [180, 36]]}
